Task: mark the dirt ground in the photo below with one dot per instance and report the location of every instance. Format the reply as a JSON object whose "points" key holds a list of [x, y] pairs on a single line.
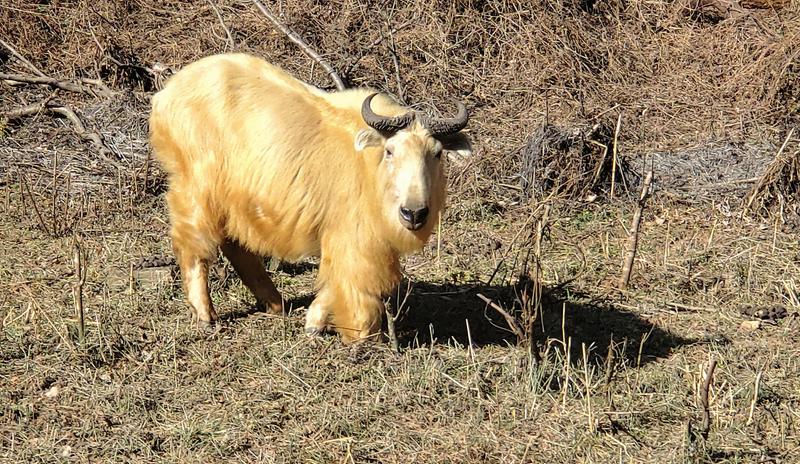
{"points": [[614, 375]]}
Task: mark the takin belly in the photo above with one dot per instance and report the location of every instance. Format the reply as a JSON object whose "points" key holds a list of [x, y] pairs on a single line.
{"points": [[290, 234]]}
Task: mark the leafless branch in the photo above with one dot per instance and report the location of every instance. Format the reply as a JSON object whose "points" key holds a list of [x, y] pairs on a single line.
{"points": [[77, 289], [35, 207], [24, 61], [705, 426], [365, 50], [633, 236], [512, 323], [396, 61], [231, 43], [303, 45], [58, 84], [391, 318], [78, 127]]}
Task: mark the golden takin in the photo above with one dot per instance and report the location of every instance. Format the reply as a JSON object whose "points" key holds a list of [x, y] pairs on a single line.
{"points": [[262, 164]]}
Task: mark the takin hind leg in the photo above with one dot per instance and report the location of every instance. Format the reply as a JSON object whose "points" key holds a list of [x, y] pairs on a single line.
{"points": [[195, 242], [253, 274], [194, 276]]}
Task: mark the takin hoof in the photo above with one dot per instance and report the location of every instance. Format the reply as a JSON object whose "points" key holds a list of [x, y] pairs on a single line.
{"points": [[209, 327], [315, 332]]}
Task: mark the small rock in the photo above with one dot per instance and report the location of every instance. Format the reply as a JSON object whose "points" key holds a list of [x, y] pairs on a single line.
{"points": [[52, 392], [751, 325]]}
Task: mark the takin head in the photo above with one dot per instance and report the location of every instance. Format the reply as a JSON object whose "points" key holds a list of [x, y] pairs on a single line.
{"points": [[411, 171]]}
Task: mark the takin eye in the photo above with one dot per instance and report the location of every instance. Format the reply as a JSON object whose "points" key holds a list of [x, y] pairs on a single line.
{"points": [[387, 153]]}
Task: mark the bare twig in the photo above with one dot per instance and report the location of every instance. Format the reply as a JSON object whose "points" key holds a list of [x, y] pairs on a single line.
{"points": [[58, 84], [610, 365], [705, 426], [92, 136], [231, 43], [614, 155], [303, 45], [24, 61], [77, 125], [765, 177], [396, 62], [633, 236], [512, 323], [391, 318], [77, 289], [534, 303], [35, 207], [365, 50], [28, 110], [753, 403]]}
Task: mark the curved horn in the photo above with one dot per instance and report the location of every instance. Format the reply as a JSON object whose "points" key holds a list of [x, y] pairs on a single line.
{"points": [[384, 123], [447, 125]]}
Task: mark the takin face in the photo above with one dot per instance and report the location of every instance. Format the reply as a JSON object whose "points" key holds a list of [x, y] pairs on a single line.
{"points": [[411, 168]]}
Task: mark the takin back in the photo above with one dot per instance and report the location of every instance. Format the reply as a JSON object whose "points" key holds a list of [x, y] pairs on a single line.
{"points": [[262, 164]]}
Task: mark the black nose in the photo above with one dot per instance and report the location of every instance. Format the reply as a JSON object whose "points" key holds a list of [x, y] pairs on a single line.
{"points": [[414, 218]]}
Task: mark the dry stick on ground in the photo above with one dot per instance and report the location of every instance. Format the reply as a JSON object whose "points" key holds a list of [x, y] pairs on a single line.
{"points": [[633, 236], [35, 207], [614, 155], [512, 323], [765, 178], [705, 425], [755, 398], [77, 125], [19, 56], [105, 91], [363, 52], [231, 43], [77, 289], [392, 316], [57, 84], [534, 311], [303, 45]]}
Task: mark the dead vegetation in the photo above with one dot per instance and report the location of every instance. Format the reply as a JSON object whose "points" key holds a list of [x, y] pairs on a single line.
{"points": [[517, 342], [778, 189]]}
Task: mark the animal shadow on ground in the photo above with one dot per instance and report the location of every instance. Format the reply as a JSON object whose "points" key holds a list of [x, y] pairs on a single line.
{"points": [[443, 312]]}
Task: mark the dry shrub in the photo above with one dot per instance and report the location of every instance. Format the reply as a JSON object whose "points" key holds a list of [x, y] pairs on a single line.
{"points": [[677, 81], [777, 191], [572, 163]]}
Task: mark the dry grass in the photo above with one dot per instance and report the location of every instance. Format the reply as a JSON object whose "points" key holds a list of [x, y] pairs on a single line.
{"points": [[144, 386], [620, 372]]}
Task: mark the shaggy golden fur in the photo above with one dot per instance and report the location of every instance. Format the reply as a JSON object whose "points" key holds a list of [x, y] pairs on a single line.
{"points": [[260, 164]]}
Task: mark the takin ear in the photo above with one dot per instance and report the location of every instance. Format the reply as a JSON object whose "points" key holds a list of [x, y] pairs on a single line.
{"points": [[457, 145], [368, 138]]}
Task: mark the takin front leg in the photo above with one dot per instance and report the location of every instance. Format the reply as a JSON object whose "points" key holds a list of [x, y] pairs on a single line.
{"points": [[253, 274], [351, 289], [355, 314], [318, 314]]}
